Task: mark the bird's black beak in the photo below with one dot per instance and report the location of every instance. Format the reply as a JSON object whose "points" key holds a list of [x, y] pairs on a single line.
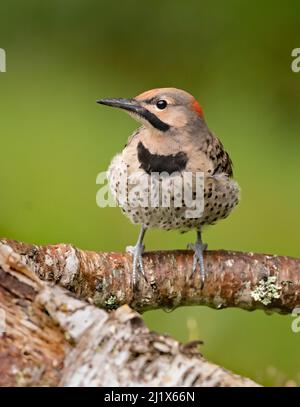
{"points": [[134, 106], [127, 104]]}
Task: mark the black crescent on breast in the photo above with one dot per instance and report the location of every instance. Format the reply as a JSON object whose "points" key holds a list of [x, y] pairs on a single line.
{"points": [[159, 163]]}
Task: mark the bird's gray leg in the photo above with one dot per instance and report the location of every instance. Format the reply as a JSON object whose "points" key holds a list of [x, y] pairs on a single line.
{"points": [[199, 248], [137, 252]]}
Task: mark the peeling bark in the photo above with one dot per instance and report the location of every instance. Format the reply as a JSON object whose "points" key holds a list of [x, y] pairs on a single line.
{"points": [[53, 338], [233, 279]]}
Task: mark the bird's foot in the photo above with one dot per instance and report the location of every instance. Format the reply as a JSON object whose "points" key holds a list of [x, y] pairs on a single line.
{"points": [[137, 264], [198, 249]]}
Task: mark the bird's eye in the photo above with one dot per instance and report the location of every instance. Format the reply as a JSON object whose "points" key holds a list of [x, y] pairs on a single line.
{"points": [[161, 104]]}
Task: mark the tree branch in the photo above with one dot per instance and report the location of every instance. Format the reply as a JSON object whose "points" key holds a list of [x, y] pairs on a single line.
{"points": [[54, 339], [233, 279]]}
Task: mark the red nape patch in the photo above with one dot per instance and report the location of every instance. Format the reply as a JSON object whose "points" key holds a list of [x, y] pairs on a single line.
{"points": [[197, 108]]}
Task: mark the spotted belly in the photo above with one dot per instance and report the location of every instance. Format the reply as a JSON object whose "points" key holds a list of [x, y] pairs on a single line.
{"points": [[220, 195]]}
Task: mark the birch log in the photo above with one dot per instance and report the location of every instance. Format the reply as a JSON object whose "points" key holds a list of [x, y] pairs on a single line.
{"points": [[52, 338]]}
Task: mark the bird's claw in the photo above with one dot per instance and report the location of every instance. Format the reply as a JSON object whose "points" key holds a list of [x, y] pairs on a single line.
{"points": [[137, 265], [198, 249]]}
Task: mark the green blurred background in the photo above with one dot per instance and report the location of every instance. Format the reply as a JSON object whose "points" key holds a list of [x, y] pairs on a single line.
{"points": [[235, 57]]}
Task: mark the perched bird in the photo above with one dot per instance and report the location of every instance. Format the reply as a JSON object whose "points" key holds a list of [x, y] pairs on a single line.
{"points": [[173, 139]]}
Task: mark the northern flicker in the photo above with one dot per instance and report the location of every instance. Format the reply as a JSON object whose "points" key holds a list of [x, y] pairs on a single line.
{"points": [[173, 139]]}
